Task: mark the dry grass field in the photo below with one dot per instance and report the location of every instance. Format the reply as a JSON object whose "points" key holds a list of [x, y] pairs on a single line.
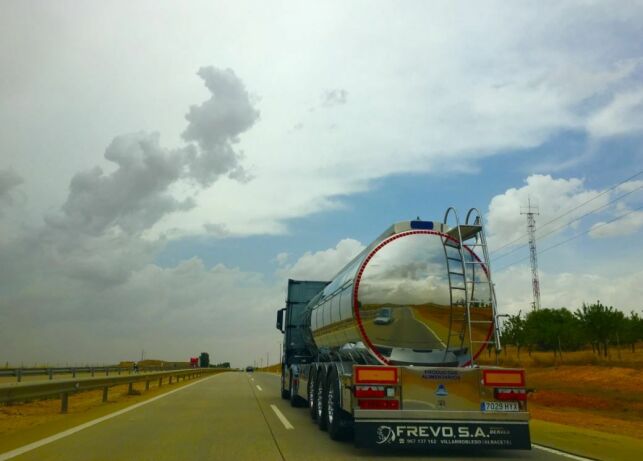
{"points": [[622, 357], [276, 368]]}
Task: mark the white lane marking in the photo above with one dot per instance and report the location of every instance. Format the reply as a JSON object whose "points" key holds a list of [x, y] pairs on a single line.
{"points": [[259, 387], [73, 430], [281, 417], [561, 453]]}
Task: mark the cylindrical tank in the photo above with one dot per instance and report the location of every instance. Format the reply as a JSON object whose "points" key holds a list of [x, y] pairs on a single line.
{"points": [[403, 299]]}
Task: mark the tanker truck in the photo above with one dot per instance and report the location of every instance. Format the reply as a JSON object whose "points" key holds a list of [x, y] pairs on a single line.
{"points": [[387, 351]]}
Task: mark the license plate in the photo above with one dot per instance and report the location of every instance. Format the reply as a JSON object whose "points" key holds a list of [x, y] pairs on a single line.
{"points": [[499, 406]]}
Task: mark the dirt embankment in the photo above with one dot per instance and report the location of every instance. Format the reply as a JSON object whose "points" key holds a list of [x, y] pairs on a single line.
{"points": [[607, 399]]}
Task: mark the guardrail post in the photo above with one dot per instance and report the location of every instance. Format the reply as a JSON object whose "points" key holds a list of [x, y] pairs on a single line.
{"points": [[92, 370], [64, 402], [160, 381], [119, 371], [130, 389], [19, 374], [170, 380], [73, 372], [105, 391], [107, 371], [147, 385]]}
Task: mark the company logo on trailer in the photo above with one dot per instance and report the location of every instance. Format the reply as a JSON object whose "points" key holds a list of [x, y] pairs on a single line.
{"points": [[385, 435]]}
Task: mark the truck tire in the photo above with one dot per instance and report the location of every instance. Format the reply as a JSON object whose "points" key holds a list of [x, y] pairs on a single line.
{"points": [[312, 395], [338, 420], [285, 394], [322, 401]]}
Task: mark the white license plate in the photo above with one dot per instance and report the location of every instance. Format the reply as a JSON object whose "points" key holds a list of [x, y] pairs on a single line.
{"points": [[500, 406]]}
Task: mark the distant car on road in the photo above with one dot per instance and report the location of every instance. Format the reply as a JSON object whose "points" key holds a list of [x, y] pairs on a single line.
{"points": [[384, 316], [249, 369]]}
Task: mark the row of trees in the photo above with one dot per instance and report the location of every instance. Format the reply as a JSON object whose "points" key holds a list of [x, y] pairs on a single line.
{"points": [[562, 330]]}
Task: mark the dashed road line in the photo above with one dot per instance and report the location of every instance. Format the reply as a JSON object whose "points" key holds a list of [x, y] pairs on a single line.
{"points": [[259, 387], [281, 417]]}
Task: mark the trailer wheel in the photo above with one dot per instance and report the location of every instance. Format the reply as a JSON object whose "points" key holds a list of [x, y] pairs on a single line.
{"points": [[285, 394], [312, 395], [338, 420], [322, 401]]}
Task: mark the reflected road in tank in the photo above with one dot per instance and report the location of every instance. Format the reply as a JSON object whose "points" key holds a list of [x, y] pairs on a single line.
{"points": [[402, 330]]}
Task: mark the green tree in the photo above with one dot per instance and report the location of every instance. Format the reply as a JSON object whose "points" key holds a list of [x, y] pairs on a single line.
{"points": [[632, 330], [513, 332], [601, 324], [553, 330]]}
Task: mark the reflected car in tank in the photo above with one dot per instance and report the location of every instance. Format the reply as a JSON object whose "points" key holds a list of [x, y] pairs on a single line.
{"points": [[384, 316]]}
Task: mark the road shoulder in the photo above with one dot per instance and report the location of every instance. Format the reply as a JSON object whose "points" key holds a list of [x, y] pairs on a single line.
{"points": [[585, 442]]}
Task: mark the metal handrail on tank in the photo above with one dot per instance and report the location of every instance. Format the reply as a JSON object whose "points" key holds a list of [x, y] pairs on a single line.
{"points": [[485, 253], [465, 323]]}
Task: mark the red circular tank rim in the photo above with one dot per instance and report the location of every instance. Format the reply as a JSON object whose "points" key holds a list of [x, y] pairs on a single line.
{"points": [[358, 279]]}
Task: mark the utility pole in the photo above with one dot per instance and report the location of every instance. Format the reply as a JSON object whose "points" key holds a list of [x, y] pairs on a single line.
{"points": [[531, 212]]}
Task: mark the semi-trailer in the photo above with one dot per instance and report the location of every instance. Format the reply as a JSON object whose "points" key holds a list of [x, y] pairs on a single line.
{"points": [[387, 351]]}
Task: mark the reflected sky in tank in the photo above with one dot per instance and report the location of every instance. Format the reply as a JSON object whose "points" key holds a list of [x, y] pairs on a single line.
{"points": [[405, 296], [408, 271]]}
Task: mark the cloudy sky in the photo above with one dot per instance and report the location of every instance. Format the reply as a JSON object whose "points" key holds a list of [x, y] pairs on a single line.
{"points": [[164, 169]]}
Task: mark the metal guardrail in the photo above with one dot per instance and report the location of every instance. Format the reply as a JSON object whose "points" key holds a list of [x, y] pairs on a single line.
{"points": [[14, 392], [50, 372]]}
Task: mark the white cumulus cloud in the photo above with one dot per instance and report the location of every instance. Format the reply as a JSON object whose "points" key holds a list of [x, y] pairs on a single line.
{"points": [[625, 223], [513, 289], [323, 264], [550, 197]]}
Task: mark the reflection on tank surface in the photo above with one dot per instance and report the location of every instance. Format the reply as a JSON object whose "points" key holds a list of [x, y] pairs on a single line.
{"points": [[384, 316], [403, 330], [407, 298]]}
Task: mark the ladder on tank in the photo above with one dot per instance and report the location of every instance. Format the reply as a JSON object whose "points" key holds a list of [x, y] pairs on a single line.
{"points": [[464, 271]]}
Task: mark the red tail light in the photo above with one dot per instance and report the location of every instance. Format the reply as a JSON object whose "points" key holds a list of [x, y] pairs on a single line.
{"points": [[510, 394], [370, 391], [366, 404]]}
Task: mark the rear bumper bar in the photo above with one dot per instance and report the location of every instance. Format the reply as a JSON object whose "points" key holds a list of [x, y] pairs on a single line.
{"points": [[434, 434]]}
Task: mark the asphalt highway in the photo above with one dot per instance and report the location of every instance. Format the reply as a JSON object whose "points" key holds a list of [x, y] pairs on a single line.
{"points": [[230, 416]]}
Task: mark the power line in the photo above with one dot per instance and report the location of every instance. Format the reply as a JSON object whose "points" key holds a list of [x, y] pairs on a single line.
{"points": [[574, 237], [573, 220], [573, 209]]}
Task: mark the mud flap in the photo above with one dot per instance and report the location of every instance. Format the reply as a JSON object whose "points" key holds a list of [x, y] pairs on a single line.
{"points": [[442, 434]]}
